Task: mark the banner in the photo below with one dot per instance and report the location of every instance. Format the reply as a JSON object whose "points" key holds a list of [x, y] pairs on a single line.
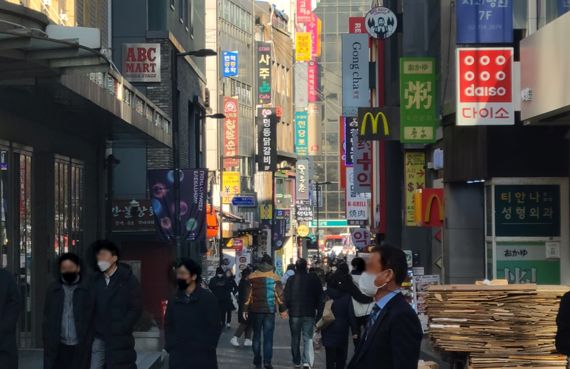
{"points": [[351, 130], [231, 186], [230, 64], [263, 72], [418, 117], [193, 195], [141, 62], [303, 11], [485, 86], [313, 28], [231, 132], [303, 178], [301, 84], [362, 166], [484, 22], [355, 70], [313, 82], [414, 179], [267, 139], [303, 211], [379, 123], [302, 47], [302, 133]]}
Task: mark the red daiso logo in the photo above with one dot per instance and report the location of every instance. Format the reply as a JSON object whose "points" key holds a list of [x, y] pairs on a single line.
{"points": [[485, 75]]}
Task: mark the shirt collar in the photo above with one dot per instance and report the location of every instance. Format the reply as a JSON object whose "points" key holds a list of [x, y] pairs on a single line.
{"points": [[386, 299]]}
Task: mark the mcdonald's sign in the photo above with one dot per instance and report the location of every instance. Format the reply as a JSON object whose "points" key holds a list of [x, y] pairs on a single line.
{"points": [[429, 207], [379, 123]]}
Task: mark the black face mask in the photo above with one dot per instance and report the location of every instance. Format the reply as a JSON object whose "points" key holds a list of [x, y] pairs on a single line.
{"points": [[69, 277], [182, 284]]}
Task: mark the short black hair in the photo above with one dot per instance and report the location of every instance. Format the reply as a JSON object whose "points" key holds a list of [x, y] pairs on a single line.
{"points": [[219, 270], [291, 267], [267, 259], [110, 246], [193, 267], [358, 264], [245, 272], [342, 268], [301, 265], [395, 259], [69, 256]]}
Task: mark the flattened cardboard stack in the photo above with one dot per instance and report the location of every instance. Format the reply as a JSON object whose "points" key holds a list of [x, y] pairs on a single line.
{"points": [[498, 326]]}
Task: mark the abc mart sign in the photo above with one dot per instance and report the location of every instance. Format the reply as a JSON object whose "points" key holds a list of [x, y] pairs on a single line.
{"points": [[485, 86]]}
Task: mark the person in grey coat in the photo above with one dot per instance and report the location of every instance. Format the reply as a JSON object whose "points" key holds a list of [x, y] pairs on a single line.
{"points": [[9, 312]]}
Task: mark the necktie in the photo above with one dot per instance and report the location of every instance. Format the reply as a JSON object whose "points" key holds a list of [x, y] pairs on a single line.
{"points": [[371, 320]]}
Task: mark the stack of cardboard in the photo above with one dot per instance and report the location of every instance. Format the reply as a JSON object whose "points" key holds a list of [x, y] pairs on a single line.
{"points": [[498, 326], [427, 365]]}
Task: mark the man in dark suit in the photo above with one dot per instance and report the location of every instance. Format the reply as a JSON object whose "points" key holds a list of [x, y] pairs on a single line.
{"points": [[393, 333]]}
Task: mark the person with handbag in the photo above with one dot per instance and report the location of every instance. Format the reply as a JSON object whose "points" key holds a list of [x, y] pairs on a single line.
{"points": [[337, 318]]}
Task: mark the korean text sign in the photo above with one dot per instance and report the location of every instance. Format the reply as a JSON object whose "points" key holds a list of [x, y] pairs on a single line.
{"points": [[230, 63], [414, 179], [267, 139], [263, 72], [231, 132], [417, 100], [231, 186], [355, 70], [303, 46], [484, 21], [141, 62], [351, 127], [302, 182], [304, 11], [313, 81], [362, 165], [302, 133], [484, 86], [356, 206]]}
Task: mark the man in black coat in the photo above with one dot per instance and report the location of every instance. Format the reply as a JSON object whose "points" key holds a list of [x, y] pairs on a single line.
{"points": [[118, 307], [393, 333], [563, 323], [68, 313], [9, 311], [303, 297]]}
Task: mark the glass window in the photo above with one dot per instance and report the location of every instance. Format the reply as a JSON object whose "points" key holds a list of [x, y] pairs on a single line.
{"points": [[68, 177]]}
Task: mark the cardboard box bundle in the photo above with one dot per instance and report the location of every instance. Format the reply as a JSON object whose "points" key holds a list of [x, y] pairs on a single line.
{"points": [[427, 365], [499, 326]]}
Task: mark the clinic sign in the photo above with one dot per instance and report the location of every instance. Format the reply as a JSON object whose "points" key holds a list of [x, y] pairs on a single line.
{"points": [[355, 70], [484, 21], [485, 86], [141, 62]]}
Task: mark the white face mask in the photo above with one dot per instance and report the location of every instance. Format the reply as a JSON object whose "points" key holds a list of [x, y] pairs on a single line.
{"points": [[103, 265], [367, 284]]}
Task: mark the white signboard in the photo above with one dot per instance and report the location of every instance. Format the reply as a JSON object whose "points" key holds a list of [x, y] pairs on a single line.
{"points": [[360, 237], [356, 205], [485, 86], [381, 22], [141, 62]]}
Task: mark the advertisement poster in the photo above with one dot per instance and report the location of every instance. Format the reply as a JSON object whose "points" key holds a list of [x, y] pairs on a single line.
{"points": [[526, 262], [230, 63], [141, 62], [414, 179], [231, 133], [303, 47], [485, 86], [484, 21], [302, 133], [263, 72], [231, 186], [193, 195], [267, 140], [418, 117], [355, 70]]}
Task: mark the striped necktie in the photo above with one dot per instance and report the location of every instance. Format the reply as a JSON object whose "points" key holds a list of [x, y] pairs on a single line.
{"points": [[371, 320]]}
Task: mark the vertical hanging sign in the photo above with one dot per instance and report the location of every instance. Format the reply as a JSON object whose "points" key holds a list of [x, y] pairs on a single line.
{"points": [[231, 133], [414, 179], [263, 72], [351, 130], [302, 182], [303, 46], [362, 165], [355, 71], [230, 63], [313, 82], [484, 21], [302, 133], [417, 100], [267, 140], [301, 90], [303, 11]]}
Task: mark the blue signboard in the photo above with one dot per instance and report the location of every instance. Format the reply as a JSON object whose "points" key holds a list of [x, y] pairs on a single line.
{"points": [[230, 63], [484, 21], [244, 201], [563, 6]]}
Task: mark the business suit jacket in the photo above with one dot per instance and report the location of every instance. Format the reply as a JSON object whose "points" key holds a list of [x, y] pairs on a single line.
{"points": [[393, 342]]}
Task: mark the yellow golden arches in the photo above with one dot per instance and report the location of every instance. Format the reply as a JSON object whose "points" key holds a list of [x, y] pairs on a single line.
{"points": [[374, 119]]}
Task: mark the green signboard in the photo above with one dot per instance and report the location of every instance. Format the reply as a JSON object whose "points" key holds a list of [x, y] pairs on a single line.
{"points": [[526, 262], [418, 98], [330, 223], [527, 210]]}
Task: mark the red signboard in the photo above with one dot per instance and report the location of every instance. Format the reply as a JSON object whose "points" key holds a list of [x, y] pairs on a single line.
{"points": [[432, 210], [313, 81], [231, 133], [304, 11], [485, 86], [356, 25]]}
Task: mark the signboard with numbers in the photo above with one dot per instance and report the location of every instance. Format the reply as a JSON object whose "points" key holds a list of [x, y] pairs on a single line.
{"points": [[231, 186], [414, 179], [526, 262], [527, 210], [418, 98], [484, 21], [302, 47]]}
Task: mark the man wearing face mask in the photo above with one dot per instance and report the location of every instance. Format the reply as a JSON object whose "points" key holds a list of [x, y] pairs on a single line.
{"points": [[393, 333], [68, 312], [118, 307], [192, 326]]}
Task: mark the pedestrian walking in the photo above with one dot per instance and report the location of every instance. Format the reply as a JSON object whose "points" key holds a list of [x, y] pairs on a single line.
{"points": [[9, 311], [335, 335], [118, 307], [68, 313], [361, 310], [393, 333], [563, 324], [303, 298], [192, 322], [244, 324], [264, 297], [222, 287], [288, 274]]}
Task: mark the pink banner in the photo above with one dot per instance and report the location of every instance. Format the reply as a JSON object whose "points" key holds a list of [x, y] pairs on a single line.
{"points": [[231, 133], [304, 11], [313, 81]]}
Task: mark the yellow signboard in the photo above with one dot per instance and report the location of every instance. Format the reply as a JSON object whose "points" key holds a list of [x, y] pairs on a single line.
{"points": [[303, 230], [415, 179], [266, 212], [303, 46], [231, 186]]}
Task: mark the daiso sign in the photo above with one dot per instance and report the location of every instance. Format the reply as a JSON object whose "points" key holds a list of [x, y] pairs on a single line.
{"points": [[485, 86]]}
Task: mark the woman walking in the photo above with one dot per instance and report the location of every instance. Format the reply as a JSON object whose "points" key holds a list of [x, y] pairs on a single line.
{"points": [[221, 287], [244, 324]]}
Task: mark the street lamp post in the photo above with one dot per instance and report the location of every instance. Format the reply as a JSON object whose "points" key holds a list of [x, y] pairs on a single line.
{"points": [[318, 190], [176, 136]]}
